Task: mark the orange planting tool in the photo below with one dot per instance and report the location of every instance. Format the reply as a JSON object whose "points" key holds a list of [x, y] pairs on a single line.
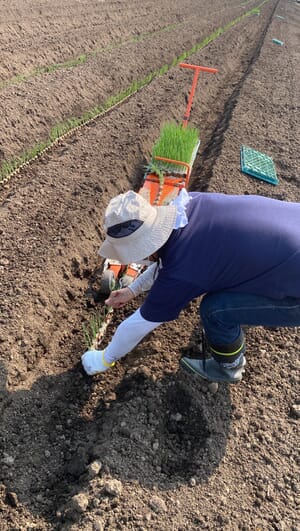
{"points": [[162, 192], [197, 70]]}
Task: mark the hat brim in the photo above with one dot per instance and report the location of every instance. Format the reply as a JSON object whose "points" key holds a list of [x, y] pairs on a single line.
{"points": [[144, 241]]}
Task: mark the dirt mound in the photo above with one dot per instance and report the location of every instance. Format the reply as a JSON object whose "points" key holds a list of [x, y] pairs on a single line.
{"points": [[172, 441]]}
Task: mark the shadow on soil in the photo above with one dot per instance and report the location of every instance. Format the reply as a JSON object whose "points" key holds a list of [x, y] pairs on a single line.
{"points": [[164, 432], [158, 432]]}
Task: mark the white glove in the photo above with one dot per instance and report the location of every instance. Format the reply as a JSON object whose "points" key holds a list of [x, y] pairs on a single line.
{"points": [[93, 361]]}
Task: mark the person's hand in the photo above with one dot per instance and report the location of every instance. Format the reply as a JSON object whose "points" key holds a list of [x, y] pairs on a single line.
{"points": [[118, 298], [93, 362]]}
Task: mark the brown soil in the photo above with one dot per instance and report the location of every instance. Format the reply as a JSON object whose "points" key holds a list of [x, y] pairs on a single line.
{"points": [[173, 455]]}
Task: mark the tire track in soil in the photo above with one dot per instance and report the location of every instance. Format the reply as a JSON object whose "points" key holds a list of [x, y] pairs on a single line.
{"points": [[204, 164]]}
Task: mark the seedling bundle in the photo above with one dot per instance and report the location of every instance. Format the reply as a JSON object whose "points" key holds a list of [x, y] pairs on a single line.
{"points": [[176, 143], [172, 158]]}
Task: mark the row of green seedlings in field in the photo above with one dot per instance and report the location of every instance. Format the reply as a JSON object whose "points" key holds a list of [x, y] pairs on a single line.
{"points": [[8, 168], [84, 57]]}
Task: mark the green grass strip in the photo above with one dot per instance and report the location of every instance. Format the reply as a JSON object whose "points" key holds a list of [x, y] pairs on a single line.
{"points": [[8, 168], [83, 58]]}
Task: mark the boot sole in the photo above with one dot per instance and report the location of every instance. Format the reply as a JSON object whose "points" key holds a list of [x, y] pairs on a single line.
{"points": [[191, 370]]}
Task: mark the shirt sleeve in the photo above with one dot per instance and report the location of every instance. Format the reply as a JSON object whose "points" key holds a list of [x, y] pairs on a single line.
{"points": [[144, 281], [128, 334], [168, 296]]}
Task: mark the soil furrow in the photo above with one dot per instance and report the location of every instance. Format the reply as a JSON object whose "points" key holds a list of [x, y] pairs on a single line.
{"points": [[211, 150]]}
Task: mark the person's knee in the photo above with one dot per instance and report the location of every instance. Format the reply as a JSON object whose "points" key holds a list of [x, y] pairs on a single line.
{"points": [[221, 324], [209, 304]]}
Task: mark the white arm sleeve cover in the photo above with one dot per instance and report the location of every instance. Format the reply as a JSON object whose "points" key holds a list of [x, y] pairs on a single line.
{"points": [[144, 281], [128, 334]]}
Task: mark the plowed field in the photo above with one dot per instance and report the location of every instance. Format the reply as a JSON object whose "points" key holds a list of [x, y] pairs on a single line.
{"points": [[86, 87]]}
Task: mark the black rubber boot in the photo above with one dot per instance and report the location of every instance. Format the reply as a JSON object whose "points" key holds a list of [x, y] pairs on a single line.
{"points": [[211, 370]]}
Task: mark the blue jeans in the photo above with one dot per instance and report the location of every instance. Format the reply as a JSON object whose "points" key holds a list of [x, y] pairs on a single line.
{"points": [[224, 313]]}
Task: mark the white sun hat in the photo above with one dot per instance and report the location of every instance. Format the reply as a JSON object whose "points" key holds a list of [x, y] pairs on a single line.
{"points": [[134, 228]]}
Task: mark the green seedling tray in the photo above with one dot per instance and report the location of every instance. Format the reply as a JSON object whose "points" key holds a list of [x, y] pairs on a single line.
{"points": [[258, 165]]}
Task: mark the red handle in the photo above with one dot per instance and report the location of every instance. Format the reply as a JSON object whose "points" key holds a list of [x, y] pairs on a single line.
{"points": [[197, 69], [179, 162]]}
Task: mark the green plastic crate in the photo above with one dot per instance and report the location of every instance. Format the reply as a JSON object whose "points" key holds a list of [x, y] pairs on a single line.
{"points": [[258, 165]]}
